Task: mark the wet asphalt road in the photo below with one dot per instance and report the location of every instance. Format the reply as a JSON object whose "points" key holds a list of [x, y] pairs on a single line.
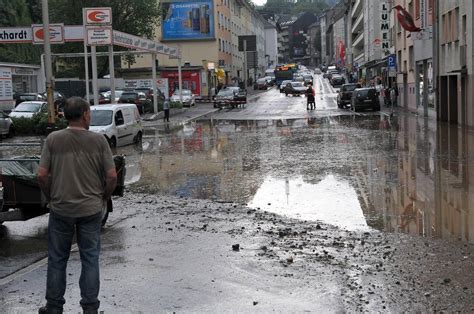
{"points": [[358, 172]]}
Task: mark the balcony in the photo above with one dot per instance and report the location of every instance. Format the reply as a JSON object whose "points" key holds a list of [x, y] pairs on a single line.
{"points": [[358, 41], [358, 24], [357, 8]]}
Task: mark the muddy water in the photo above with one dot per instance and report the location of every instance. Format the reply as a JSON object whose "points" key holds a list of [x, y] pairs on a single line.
{"points": [[355, 172]]}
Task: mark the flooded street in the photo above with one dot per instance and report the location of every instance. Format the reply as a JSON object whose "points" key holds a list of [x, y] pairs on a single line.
{"points": [[273, 207], [355, 172]]}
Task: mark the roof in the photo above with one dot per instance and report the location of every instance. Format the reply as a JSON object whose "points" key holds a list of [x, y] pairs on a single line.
{"points": [[112, 107]]}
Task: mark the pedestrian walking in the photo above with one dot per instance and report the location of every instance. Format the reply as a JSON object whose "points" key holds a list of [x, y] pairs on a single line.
{"points": [[166, 109], [310, 104], [77, 176]]}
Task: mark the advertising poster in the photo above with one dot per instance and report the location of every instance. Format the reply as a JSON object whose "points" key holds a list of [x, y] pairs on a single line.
{"points": [[188, 20], [6, 89]]}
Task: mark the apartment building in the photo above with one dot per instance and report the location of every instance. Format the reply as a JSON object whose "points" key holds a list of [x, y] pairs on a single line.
{"points": [[206, 32], [357, 41], [271, 40], [455, 46]]}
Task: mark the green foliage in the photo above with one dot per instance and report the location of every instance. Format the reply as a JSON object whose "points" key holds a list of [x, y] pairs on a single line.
{"points": [[16, 13], [176, 104], [285, 7], [37, 125], [137, 17], [315, 7]]}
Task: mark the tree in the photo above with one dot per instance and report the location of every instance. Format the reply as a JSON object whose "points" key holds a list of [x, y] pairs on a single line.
{"points": [[312, 6], [16, 13], [137, 17]]}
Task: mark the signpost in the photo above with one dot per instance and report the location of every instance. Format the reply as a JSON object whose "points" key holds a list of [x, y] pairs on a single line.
{"points": [[392, 65], [6, 88]]}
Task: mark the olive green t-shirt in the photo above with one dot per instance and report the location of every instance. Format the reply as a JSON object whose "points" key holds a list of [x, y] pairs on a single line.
{"points": [[78, 161]]}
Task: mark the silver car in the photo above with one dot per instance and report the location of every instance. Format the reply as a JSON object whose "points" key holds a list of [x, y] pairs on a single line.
{"points": [[6, 125]]}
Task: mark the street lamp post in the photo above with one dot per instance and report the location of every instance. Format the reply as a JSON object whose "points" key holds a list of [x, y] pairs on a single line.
{"points": [[48, 65]]}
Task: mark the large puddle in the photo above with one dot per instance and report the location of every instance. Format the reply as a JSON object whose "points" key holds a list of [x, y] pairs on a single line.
{"points": [[356, 172]]}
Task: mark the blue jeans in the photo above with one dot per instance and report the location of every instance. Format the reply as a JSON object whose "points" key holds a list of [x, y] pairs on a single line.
{"points": [[60, 234]]}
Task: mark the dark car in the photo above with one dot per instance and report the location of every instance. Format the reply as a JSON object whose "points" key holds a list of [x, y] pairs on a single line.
{"points": [[226, 96], [363, 98], [59, 99], [240, 94], [19, 98], [345, 94], [308, 79], [337, 80], [295, 88], [261, 83], [149, 93], [137, 98]]}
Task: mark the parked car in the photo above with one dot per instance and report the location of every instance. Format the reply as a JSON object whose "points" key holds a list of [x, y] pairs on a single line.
{"points": [[149, 93], [59, 99], [308, 79], [295, 88], [270, 80], [108, 94], [337, 80], [224, 97], [363, 98], [28, 109], [188, 98], [240, 93], [119, 123], [261, 83], [19, 98], [345, 94], [283, 85], [330, 73], [102, 99], [6, 125], [137, 98]]}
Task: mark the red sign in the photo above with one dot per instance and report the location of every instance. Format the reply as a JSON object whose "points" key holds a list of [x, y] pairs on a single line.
{"points": [[94, 16], [191, 80], [56, 33]]}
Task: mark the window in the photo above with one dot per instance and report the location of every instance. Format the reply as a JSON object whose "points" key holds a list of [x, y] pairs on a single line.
{"points": [[220, 45], [119, 118], [411, 58]]}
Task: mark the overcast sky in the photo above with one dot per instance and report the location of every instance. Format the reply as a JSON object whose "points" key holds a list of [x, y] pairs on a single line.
{"points": [[259, 2]]}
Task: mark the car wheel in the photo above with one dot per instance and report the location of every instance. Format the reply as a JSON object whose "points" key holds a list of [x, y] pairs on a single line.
{"points": [[113, 142], [138, 138]]}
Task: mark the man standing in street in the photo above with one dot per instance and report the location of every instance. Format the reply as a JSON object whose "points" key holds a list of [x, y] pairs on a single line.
{"points": [[166, 109], [77, 176]]}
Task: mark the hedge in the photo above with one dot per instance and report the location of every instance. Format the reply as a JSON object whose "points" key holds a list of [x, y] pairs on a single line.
{"points": [[36, 125]]}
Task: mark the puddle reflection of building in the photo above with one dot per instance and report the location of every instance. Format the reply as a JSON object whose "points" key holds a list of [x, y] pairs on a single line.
{"points": [[431, 192]]}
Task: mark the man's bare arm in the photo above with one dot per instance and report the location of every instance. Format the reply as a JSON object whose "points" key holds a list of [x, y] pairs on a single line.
{"points": [[44, 182], [110, 183]]}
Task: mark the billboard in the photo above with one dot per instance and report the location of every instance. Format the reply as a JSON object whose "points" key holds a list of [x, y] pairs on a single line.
{"points": [[184, 20]]}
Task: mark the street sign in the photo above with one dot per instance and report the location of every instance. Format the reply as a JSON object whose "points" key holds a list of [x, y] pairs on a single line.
{"points": [[99, 36], [15, 35], [6, 89], [392, 61], [97, 16], [56, 34]]}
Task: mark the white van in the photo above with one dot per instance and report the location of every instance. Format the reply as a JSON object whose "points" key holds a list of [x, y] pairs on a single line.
{"points": [[120, 123]]}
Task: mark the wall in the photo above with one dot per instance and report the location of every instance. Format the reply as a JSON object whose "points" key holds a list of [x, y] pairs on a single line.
{"points": [[271, 38]]}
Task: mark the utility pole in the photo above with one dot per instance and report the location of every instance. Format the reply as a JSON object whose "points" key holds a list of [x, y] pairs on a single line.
{"points": [[48, 65]]}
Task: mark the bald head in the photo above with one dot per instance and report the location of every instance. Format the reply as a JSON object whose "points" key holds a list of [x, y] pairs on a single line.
{"points": [[75, 108]]}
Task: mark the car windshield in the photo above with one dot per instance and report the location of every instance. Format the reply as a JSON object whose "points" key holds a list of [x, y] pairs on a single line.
{"points": [[101, 117], [226, 92], [27, 107], [308, 77], [128, 96], [348, 88], [366, 93], [261, 81], [297, 84]]}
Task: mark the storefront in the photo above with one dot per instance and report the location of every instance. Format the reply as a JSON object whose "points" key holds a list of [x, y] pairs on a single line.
{"points": [[18, 78], [193, 78]]}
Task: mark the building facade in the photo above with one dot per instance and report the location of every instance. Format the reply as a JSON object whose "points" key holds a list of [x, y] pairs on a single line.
{"points": [[271, 46]]}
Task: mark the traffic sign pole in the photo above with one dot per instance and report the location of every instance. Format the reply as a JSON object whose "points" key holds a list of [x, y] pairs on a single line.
{"points": [[48, 65]]}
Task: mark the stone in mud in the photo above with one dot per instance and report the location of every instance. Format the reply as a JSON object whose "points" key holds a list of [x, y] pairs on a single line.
{"points": [[236, 247]]}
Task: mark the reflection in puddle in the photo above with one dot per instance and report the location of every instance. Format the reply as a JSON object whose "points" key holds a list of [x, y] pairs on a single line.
{"points": [[405, 175], [330, 201]]}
